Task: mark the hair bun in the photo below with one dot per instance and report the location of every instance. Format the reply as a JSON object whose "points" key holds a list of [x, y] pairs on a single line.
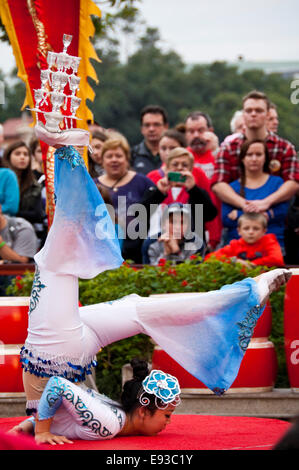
{"points": [[140, 369]]}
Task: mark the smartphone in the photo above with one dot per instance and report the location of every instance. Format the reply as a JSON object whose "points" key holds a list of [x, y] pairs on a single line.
{"points": [[176, 177]]}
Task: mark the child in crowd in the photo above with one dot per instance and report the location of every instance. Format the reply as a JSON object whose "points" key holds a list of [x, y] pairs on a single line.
{"points": [[176, 242], [185, 190], [254, 246]]}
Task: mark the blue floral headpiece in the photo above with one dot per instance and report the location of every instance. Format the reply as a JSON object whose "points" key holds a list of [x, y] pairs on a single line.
{"points": [[164, 386]]}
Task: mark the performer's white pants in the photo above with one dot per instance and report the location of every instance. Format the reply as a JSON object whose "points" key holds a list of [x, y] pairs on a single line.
{"points": [[63, 339]]}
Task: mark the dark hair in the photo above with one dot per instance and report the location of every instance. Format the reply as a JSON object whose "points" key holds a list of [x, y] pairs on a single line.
{"points": [[132, 388], [194, 115], [26, 177], [154, 109], [243, 152], [107, 200], [176, 135], [33, 144], [99, 135], [257, 95]]}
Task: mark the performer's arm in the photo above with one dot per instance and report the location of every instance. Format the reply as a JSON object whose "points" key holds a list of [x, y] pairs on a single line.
{"points": [[87, 416]]}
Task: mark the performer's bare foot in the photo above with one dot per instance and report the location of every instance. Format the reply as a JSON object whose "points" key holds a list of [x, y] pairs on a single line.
{"points": [[270, 282]]}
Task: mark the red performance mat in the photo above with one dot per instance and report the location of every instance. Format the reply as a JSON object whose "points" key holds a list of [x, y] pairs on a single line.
{"points": [[186, 432]]}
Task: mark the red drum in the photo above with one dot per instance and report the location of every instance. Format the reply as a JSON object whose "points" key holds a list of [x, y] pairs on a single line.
{"points": [[10, 369], [291, 329], [13, 319], [257, 372], [264, 325]]}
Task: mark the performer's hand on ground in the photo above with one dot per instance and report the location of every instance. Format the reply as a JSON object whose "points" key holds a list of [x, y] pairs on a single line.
{"points": [[49, 438]]}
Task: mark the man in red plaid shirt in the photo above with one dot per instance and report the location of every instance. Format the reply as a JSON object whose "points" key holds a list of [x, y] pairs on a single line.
{"points": [[283, 158]]}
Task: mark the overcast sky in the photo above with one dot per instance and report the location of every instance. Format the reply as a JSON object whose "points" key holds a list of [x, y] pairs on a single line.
{"points": [[208, 30]]}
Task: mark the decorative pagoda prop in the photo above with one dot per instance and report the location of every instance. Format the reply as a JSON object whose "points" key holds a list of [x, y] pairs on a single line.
{"points": [[56, 102]]}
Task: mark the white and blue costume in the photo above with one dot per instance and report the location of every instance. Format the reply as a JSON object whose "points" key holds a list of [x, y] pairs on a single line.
{"points": [[207, 333]]}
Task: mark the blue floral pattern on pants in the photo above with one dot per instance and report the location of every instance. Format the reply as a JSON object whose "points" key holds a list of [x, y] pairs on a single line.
{"points": [[247, 326], [37, 286]]}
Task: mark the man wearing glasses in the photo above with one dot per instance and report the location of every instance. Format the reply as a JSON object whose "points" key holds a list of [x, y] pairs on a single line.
{"points": [[145, 155]]}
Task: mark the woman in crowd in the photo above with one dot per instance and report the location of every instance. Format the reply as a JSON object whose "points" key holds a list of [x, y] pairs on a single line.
{"points": [[9, 191], [94, 157], [41, 228], [170, 140], [17, 157], [256, 183], [64, 338], [126, 188], [180, 164], [37, 159]]}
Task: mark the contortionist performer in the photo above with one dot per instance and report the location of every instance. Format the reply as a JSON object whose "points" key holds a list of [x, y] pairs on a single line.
{"points": [[206, 333]]}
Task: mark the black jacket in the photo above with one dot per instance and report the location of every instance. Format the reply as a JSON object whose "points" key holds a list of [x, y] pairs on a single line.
{"points": [[143, 161]]}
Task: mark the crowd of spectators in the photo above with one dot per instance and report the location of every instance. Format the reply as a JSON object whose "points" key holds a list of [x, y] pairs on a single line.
{"points": [[175, 193]]}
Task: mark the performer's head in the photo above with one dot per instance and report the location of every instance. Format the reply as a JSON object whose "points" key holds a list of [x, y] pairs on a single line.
{"points": [[252, 226], [149, 399]]}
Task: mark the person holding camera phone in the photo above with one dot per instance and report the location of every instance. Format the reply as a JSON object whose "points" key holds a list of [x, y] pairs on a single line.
{"points": [[179, 186]]}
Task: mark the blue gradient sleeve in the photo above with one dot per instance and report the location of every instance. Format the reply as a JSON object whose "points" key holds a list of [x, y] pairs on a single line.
{"points": [[82, 239]]}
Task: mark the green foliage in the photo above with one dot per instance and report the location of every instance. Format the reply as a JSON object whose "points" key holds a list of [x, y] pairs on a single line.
{"points": [[151, 75], [190, 276]]}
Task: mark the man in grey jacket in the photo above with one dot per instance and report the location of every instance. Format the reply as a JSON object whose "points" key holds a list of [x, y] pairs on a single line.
{"points": [[18, 242]]}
